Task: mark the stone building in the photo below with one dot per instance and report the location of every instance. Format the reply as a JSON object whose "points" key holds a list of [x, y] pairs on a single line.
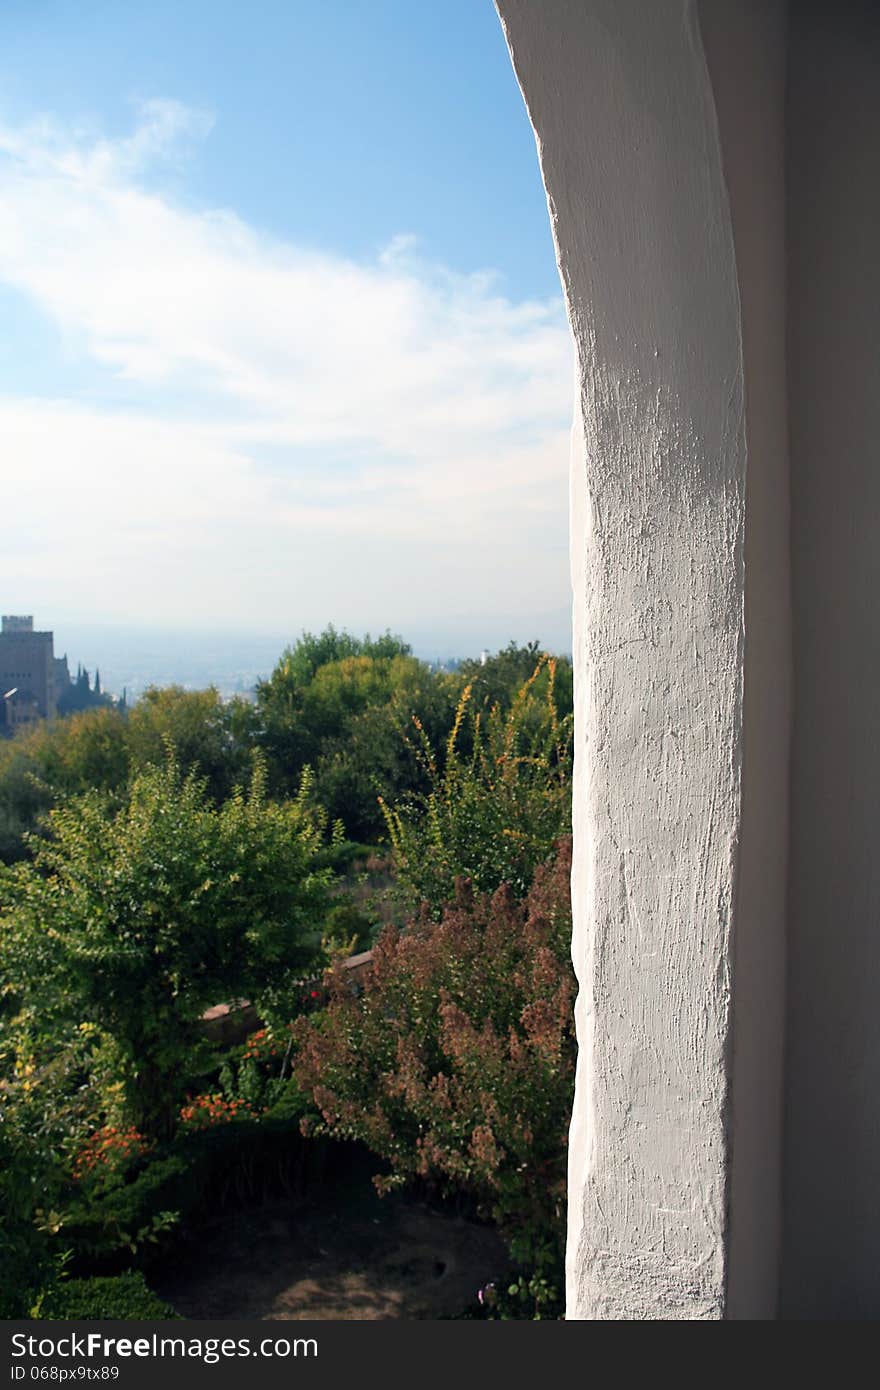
{"points": [[27, 665], [18, 708], [712, 170]]}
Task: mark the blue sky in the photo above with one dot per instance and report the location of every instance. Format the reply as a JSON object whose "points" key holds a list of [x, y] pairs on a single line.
{"points": [[281, 325]]}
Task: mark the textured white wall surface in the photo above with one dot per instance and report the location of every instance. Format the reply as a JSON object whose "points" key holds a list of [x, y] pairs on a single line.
{"points": [[622, 106]]}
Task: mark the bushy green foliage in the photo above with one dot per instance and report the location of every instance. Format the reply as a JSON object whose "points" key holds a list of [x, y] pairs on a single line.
{"points": [[497, 679], [184, 1181], [142, 917], [289, 733], [47, 1108], [23, 799], [50, 760], [347, 930], [100, 749], [343, 705], [129, 1218], [518, 1296], [498, 801], [299, 664], [456, 1061], [211, 736], [103, 1296], [374, 755], [26, 1262], [151, 876], [86, 751]]}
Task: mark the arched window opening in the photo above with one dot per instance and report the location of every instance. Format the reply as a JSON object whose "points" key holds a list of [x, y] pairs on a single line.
{"points": [[286, 690]]}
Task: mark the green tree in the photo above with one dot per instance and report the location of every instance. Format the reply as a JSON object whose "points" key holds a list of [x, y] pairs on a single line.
{"points": [[378, 756], [318, 688], [298, 665], [23, 799], [497, 802], [53, 759], [496, 680], [80, 695], [145, 915], [210, 736], [83, 751]]}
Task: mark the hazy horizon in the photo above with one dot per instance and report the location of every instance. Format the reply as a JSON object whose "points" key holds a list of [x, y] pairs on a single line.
{"points": [[232, 659]]}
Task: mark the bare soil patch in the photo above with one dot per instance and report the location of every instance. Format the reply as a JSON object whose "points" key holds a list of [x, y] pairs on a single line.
{"points": [[346, 1254]]}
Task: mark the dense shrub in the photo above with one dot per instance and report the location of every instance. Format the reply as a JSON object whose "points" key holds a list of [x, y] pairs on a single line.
{"points": [[102, 1296], [497, 679], [155, 886], [499, 800], [25, 1260], [455, 1063], [111, 1225], [211, 736], [182, 1184], [318, 688], [143, 916]]}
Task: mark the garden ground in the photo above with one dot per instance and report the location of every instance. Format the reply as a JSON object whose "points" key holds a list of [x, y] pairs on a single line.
{"points": [[346, 1254]]}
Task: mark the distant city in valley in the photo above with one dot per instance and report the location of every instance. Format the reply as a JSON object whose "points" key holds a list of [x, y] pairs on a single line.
{"points": [[65, 667]]}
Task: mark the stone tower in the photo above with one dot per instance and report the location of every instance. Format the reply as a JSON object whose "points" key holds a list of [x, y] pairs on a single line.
{"points": [[27, 667]]}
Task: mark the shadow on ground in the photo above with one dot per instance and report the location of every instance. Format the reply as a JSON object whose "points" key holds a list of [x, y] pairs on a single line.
{"points": [[346, 1254]]}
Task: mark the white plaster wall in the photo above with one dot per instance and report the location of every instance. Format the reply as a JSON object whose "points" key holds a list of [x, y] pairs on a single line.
{"points": [[622, 106], [832, 1168]]}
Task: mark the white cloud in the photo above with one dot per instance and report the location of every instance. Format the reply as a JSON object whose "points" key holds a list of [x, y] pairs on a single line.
{"points": [[292, 405]]}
